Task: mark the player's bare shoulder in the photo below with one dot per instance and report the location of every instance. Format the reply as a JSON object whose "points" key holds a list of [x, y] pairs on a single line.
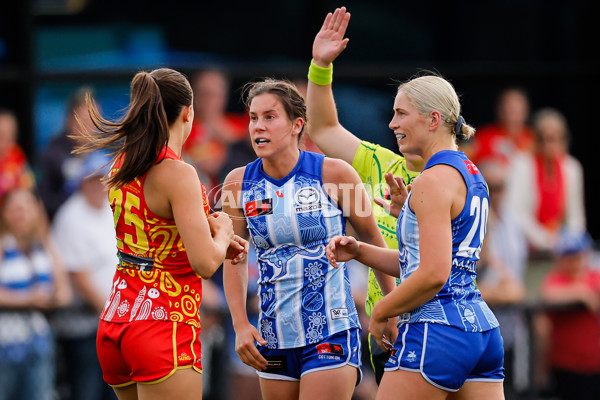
{"points": [[232, 187], [336, 171]]}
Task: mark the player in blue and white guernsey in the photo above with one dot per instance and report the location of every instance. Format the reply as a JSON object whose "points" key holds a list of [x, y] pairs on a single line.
{"points": [[449, 343], [292, 202]]}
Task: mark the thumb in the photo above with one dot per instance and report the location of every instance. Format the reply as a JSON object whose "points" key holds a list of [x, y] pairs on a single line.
{"points": [[259, 338]]}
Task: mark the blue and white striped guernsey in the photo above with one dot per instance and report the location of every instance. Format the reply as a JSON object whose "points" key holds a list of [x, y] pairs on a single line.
{"points": [[459, 303], [291, 220]]}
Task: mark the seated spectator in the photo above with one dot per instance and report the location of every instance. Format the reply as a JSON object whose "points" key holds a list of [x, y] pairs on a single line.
{"points": [[57, 167], [571, 290], [84, 231], [32, 281], [14, 169], [509, 134], [546, 187]]}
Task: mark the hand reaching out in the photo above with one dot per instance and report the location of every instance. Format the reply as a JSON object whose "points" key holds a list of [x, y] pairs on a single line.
{"points": [[330, 42], [341, 248], [238, 249], [398, 195]]}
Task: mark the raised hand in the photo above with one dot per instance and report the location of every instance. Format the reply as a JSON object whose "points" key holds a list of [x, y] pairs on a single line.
{"points": [[330, 42], [398, 195]]}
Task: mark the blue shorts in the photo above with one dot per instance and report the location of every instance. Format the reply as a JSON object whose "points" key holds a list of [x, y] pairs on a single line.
{"points": [[335, 351], [446, 356]]}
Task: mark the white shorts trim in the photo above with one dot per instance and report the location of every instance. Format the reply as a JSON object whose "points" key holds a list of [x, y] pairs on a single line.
{"points": [[484, 380], [276, 377]]}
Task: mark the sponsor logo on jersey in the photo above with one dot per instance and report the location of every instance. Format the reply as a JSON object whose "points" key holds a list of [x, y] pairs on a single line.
{"points": [[411, 357], [472, 168], [330, 348], [307, 199], [337, 313], [258, 208], [307, 195], [184, 357]]}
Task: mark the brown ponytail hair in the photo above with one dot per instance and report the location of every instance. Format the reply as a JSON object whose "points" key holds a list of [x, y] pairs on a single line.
{"points": [[157, 98]]}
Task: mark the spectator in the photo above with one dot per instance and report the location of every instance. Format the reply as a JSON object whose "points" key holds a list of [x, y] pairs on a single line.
{"points": [[508, 134], [85, 234], [546, 188], [572, 291], [214, 130], [31, 281], [14, 169], [501, 281], [57, 167]]}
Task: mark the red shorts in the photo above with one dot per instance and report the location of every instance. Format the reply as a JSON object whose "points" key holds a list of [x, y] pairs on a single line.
{"points": [[146, 351]]}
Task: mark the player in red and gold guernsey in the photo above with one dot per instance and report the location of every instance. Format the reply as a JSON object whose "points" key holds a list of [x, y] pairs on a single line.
{"points": [[148, 339]]}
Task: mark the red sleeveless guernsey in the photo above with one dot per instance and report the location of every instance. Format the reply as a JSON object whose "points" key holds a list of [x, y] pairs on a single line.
{"points": [[154, 279]]}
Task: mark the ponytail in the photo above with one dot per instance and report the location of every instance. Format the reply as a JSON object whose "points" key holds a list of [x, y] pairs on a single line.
{"points": [[137, 140]]}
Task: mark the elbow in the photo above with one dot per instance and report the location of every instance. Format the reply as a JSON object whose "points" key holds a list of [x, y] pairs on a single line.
{"points": [[206, 271], [206, 266], [436, 282], [437, 286]]}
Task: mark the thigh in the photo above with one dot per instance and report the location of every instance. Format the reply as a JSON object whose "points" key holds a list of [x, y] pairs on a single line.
{"points": [[407, 385], [183, 384], [329, 384], [275, 389], [126, 392], [479, 390]]}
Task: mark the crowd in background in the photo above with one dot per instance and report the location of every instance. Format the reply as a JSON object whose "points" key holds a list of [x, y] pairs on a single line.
{"points": [[57, 253]]}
